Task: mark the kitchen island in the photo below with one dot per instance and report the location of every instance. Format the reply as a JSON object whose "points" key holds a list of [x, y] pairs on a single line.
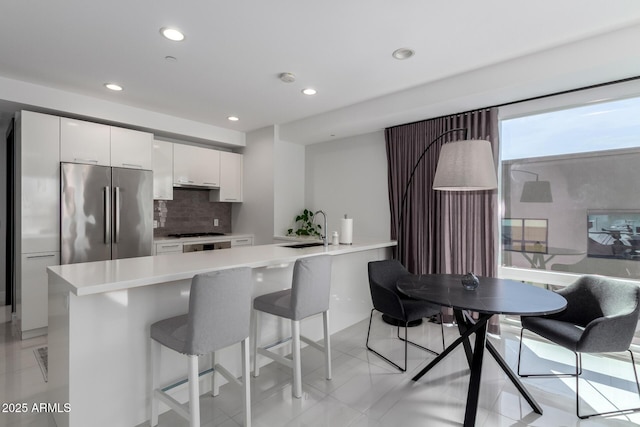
{"points": [[100, 314]]}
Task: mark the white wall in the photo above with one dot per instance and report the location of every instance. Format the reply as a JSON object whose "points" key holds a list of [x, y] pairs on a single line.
{"points": [[255, 215], [349, 176], [289, 184]]}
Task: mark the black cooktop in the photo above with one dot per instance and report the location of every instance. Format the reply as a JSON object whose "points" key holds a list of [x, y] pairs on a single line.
{"points": [[210, 233]]}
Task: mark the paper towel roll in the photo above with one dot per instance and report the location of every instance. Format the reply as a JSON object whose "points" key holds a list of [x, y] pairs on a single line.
{"points": [[346, 231]]}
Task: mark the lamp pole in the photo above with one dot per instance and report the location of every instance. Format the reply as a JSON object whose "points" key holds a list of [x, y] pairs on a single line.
{"points": [[406, 189]]}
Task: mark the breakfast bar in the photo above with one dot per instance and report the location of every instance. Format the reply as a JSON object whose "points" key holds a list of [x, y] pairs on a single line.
{"points": [[100, 313]]}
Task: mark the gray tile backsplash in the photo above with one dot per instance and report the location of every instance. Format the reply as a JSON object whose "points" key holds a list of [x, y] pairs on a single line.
{"points": [[190, 211]]}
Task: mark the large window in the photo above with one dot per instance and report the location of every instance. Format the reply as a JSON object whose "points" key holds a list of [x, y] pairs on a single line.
{"points": [[571, 188]]}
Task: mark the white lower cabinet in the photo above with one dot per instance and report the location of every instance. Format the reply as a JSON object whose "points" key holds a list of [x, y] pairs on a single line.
{"points": [[33, 295], [241, 241], [167, 248]]}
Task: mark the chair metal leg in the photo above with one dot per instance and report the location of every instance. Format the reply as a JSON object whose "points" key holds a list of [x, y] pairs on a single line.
{"points": [[418, 345], [375, 352], [246, 381], [577, 375], [405, 340], [520, 374], [155, 365], [194, 392], [327, 345], [618, 411], [297, 366]]}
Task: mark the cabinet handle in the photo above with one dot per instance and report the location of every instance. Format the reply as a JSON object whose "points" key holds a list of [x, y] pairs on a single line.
{"points": [[230, 199], [116, 213], [241, 240], [85, 160], [210, 183], [41, 256], [184, 181], [132, 165], [169, 246], [107, 215]]}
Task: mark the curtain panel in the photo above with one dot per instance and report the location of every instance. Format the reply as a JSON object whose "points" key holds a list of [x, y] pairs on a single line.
{"points": [[444, 232]]}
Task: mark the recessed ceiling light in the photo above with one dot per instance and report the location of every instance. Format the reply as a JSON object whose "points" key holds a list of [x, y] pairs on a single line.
{"points": [[172, 34], [113, 86], [309, 91], [233, 118], [403, 53]]}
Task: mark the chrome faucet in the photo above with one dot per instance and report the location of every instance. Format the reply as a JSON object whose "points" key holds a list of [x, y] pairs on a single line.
{"points": [[324, 230]]}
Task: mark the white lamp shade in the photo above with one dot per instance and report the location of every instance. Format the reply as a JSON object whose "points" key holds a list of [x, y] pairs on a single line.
{"points": [[465, 166]]}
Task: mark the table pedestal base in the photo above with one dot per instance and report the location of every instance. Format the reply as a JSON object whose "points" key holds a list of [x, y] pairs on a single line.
{"points": [[475, 358]]}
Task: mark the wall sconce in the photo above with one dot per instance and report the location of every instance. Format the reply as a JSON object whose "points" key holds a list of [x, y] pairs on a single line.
{"points": [[535, 191]]}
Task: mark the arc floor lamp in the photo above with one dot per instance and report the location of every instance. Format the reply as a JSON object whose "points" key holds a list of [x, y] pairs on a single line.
{"points": [[465, 165]]}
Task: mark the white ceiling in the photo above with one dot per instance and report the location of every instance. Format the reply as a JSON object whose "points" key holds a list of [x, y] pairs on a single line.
{"points": [[234, 50]]}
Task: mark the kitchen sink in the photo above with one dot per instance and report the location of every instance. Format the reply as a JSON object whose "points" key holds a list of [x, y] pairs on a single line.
{"points": [[304, 245]]}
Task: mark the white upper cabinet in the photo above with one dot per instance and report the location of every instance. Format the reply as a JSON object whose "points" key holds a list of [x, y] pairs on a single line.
{"points": [[195, 166], [209, 168], [85, 142], [131, 149], [230, 177], [162, 170], [39, 140], [97, 144]]}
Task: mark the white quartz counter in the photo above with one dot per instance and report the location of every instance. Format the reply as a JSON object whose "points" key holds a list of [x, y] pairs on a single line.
{"points": [[107, 276], [100, 314]]}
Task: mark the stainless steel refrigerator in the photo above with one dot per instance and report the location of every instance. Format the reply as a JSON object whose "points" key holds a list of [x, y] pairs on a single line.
{"points": [[106, 213]]}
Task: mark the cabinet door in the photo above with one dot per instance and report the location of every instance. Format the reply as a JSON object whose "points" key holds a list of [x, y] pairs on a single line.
{"points": [[39, 139], [165, 248], [85, 142], [184, 165], [131, 149], [230, 177], [208, 168], [195, 166], [162, 170], [34, 293], [241, 241]]}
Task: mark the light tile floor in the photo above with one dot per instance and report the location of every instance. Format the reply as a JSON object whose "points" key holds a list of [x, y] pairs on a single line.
{"points": [[366, 391]]}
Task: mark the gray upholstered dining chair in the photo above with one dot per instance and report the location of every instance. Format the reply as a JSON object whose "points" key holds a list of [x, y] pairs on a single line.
{"points": [[386, 298], [600, 317], [219, 316], [309, 295]]}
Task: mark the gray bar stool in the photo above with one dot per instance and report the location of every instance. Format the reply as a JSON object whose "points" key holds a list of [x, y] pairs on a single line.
{"points": [[308, 295], [219, 312]]}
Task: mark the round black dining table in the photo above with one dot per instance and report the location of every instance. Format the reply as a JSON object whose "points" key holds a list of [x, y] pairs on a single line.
{"points": [[492, 296]]}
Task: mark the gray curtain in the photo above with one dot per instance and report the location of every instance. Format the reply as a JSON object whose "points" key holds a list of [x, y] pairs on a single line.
{"points": [[443, 232]]}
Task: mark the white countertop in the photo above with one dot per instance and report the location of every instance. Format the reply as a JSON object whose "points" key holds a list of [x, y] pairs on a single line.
{"points": [[106, 276]]}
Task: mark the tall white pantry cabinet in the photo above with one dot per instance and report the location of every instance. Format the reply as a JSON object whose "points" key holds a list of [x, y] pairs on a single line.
{"points": [[37, 228]]}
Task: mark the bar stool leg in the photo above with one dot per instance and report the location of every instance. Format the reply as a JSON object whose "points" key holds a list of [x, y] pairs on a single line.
{"points": [[215, 381], [155, 366], [327, 345], [256, 343], [194, 392], [246, 380], [297, 368]]}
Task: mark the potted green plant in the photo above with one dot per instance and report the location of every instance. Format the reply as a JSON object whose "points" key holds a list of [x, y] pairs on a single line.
{"points": [[304, 226]]}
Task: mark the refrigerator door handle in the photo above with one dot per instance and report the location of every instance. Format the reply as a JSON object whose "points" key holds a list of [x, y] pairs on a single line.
{"points": [[107, 215], [116, 213]]}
